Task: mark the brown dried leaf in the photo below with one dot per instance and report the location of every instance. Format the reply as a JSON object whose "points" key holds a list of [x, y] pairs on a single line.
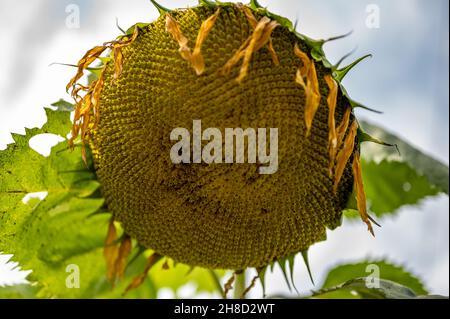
{"points": [[250, 287], [229, 285]]}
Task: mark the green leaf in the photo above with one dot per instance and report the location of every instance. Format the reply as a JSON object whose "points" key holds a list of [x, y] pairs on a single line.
{"points": [[436, 172], [359, 288], [23, 291], [385, 270], [67, 227], [391, 184], [48, 235]]}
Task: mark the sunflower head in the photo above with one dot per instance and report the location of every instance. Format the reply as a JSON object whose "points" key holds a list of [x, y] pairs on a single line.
{"points": [[230, 66]]}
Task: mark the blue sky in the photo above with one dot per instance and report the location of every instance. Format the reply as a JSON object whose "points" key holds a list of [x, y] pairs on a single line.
{"points": [[407, 79]]}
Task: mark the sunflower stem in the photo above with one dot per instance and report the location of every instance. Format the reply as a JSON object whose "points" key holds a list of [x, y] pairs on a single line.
{"points": [[239, 286]]}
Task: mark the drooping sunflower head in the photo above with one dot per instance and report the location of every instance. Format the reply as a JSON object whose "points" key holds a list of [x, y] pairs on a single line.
{"points": [[229, 66]]}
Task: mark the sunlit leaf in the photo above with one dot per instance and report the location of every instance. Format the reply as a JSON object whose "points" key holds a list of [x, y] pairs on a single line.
{"points": [[386, 271], [22, 291]]}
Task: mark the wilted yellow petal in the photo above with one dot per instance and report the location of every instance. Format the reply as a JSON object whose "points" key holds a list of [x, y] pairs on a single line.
{"points": [[253, 23], [273, 53], [254, 40], [305, 60], [249, 15], [173, 28], [265, 36], [299, 79], [121, 261], [197, 60], [118, 62], [343, 126], [235, 58], [311, 86], [124, 41], [332, 135], [345, 153], [89, 57], [110, 251], [360, 194], [90, 101], [312, 97], [258, 39], [262, 31], [95, 100]]}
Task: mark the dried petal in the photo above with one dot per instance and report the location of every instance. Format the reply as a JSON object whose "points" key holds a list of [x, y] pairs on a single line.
{"points": [[173, 28], [332, 135], [249, 15], [306, 77], [253, 23], [262, 31], [273, 53], [312, 98], [110, 251], [360, 194], [343, 126], [121, 261], [255, 39], [258, 39], [89, 57], [235, 58], [197, 60], [118, 62], [305, 60], [345, 153]]}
